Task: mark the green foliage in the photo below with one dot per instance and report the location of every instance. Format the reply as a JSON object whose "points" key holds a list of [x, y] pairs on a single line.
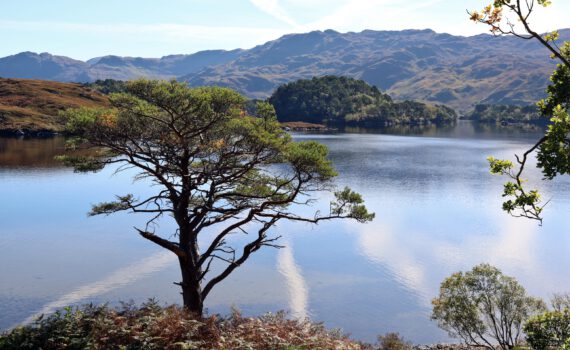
{"points": [[310, 157], [350, 203], [554, 153], [484, 113], [152, 327], [108, 86], [500, 166], [393, 341], [520, 202], [550, 330], [342, 100], [558, 90], [483, 306], [266, 112]]}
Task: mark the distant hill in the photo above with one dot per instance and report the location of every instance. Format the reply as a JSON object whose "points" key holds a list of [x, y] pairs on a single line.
{"points": [[346, 101], [59, 68], [32, 106], [411, 64]]}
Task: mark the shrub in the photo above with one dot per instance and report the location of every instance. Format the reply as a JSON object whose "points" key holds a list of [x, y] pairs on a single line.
{"points": [[550, 330], [484, 307], [393, 341]]}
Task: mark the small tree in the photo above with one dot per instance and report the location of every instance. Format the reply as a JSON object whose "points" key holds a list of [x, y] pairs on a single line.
{"points": [[217, 173], [483, 307], [513, 17]]}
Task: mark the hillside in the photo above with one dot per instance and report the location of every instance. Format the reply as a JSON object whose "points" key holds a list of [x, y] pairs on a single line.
{"points": [[347, 101], [32, 106], [409, 65], [419, 65]]}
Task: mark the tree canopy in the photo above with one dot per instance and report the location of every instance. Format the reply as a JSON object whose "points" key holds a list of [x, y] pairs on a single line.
{"points": [[108, 86], [484, 307], [343, 100], [214, 169]]}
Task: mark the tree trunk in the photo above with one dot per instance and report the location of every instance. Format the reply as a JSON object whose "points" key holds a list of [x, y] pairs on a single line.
{"points": [[191, 289]]}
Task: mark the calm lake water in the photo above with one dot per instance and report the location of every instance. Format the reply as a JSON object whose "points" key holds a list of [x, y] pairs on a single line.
{"points": [[438, 211]]}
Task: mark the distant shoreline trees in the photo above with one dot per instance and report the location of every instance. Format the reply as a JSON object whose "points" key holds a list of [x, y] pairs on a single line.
{"points": [[506, 114]]}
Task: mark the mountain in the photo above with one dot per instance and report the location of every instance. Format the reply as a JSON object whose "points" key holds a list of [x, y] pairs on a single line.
{"points": [[30, 65], [167, 67], [32, 106], [58, 68], [412, 64]]}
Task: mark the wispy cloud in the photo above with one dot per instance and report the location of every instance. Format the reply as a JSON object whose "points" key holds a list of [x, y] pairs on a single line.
{"points": [[275, 10]]}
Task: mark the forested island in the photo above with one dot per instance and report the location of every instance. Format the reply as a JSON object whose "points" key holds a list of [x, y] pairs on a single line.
{"points": [[337, 100]]}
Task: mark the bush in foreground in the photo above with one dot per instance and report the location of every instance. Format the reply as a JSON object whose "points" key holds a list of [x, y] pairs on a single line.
{"points": [[393, 341], [550, 330], [151, 326], [484, 308]]}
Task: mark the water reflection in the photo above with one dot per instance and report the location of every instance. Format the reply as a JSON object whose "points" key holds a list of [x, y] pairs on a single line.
{"points": [[438, 211], [120, 278], [462, 129], [297, 288], [36, 153]]}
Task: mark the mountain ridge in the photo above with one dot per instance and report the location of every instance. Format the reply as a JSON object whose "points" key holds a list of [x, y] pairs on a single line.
{"points": [[460, 71]]}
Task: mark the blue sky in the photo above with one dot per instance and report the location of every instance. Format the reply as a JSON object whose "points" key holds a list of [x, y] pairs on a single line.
{"points": [[83, 29]]}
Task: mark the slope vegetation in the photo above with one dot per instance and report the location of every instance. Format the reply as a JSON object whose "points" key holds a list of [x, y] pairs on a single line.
{"points": [[32, 106]]}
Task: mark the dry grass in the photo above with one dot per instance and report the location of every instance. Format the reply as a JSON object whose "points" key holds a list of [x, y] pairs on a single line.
{"points": [[153, 327], [33, 105]]}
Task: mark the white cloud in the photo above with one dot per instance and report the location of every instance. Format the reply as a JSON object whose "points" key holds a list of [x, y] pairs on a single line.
{"points": [[274, 9]]}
